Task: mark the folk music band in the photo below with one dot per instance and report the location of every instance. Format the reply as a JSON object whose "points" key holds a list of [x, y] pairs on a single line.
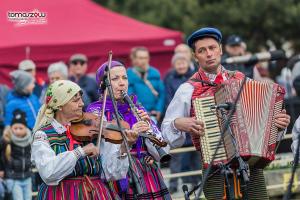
{"points": [[76, 162]]}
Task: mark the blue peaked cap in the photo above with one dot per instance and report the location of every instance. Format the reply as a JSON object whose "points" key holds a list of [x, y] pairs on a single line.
{"points": [[204, 32]]}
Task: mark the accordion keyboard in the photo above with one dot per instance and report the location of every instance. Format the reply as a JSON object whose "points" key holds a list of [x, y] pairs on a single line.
{"points": [[212, 131]]}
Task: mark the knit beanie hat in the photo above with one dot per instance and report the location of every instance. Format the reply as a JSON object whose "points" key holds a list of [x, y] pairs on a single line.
{"points": [[21, 80], [19, 117]]}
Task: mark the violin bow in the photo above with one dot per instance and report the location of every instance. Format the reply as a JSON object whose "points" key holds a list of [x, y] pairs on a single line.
{"points": [[104, 102]]}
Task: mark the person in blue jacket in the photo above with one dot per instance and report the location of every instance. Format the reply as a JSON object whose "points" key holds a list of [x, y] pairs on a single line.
{"points": [[22, 97], [145, 82]]}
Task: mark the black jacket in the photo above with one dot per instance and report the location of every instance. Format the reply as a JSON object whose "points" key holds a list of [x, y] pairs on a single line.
{"points": [[89, 85], [172, 82], [292, 106], [19, 166]]}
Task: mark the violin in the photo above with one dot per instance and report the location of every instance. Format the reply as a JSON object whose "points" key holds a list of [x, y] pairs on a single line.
{"points": [[87, 129]]}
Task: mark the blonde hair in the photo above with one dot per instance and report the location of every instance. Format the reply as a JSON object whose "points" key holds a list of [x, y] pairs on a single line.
{"points": [[7, 138]]}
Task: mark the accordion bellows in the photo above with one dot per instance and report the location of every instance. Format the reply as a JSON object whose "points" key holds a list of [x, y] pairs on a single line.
{"points": [[252, 124]]}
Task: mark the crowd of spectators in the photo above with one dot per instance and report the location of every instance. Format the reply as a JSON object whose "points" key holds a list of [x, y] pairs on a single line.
{"points": [[20, 104]]}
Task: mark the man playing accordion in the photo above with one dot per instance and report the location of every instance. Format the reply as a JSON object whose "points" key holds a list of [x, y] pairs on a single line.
{"points": [[180, 116]]}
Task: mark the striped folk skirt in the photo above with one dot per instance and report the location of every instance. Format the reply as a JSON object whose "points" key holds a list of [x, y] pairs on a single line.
{"points": [[78, 188], [151, 182]]}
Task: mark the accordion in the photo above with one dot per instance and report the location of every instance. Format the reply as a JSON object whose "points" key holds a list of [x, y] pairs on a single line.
{"points": [[252, 123]]}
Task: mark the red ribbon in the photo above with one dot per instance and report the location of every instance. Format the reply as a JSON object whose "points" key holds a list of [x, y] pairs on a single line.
{"points": [[72, 141], [219, 79]]}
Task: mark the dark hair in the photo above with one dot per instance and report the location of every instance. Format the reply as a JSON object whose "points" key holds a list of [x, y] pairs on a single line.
{"points": [[134, 50], [193, 44]]}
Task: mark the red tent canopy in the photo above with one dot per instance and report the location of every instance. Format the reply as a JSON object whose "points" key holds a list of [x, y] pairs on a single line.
{"points": [[75, 26]]}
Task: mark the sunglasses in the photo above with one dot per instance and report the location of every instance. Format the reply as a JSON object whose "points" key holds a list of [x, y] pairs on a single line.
{"points": [[75, 62]]}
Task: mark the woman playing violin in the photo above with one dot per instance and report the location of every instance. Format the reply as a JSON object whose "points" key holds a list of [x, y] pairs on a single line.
{"points": [[72, 169], [144, 154]]}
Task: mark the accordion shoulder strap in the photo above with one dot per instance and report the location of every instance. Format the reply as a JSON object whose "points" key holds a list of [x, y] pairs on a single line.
{"points": [[202, 81], [235, 74], [231, 73]]}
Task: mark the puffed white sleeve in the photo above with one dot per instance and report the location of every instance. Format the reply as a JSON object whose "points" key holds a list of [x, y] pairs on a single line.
{"points": [[115, 166], [179, 107], [295, 135], [51, 167]]}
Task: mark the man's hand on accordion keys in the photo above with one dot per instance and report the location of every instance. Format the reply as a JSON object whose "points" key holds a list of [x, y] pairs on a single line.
{"points": [[282, 119], [190, 125]]}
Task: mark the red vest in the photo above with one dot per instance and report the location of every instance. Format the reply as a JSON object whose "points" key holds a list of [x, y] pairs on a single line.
{"points": [[208, 89]]}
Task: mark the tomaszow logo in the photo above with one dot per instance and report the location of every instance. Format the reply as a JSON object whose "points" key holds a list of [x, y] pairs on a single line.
{"points": [[23, 18]]}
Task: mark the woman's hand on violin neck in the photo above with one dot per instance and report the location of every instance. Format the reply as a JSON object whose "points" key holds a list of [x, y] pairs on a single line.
{"points": [[91, 150], [143, 115], [132, 136], [140, 127]]}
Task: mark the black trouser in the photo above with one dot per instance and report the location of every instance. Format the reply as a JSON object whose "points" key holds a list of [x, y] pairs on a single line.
{"points": [[214, 187]]}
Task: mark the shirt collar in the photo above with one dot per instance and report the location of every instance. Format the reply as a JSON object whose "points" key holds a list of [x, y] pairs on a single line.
{"points": [[212, 77], [59, 128]]}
